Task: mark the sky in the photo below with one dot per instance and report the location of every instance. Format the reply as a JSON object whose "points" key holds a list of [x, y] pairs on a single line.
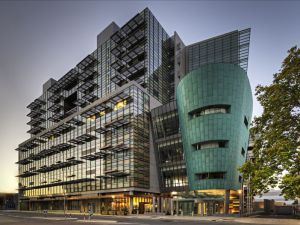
{"points": [[43, 39]]}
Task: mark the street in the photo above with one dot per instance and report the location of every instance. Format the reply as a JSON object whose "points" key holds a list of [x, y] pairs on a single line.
{"points": [[25, 218]]}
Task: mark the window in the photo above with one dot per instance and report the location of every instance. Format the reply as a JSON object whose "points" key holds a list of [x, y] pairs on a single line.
{"points": [[246, 121], [243, 151], [213, 109], [120, 105], [212, 175], [211, 144], [69, 102]]}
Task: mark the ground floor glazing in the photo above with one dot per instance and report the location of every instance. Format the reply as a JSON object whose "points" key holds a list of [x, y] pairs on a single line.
{"points": [[201, 203]]}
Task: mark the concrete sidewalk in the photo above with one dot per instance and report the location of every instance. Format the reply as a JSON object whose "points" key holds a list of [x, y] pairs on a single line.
{"points": [[250, 220]]}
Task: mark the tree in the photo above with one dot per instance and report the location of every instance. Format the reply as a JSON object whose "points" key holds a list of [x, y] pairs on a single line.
{"points": [[277, 133]]}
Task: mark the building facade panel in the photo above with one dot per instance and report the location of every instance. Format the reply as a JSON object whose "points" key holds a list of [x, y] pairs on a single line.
{"points": [[214, 102]]}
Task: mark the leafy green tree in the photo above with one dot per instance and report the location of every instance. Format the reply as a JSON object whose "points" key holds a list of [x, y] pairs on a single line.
{"points": [[277, 133]]}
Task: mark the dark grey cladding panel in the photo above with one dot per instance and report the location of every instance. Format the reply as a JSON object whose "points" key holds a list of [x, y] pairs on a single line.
{"points": [[106, 33]]}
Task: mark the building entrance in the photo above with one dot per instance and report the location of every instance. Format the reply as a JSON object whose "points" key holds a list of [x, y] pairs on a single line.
{"points": [[190, 207]]}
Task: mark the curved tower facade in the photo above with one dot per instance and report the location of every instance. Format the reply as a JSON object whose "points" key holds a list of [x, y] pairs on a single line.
{"points": [[215, 109]]}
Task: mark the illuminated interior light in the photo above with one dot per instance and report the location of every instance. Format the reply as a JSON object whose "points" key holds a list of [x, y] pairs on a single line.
{"points": [[102, 113], [120, 105], [92, 118]]}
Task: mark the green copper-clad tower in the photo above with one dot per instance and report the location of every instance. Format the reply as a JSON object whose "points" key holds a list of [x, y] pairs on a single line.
{"points": [[215, 108]]}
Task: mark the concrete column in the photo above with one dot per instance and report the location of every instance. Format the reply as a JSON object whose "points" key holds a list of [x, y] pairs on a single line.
{"points": [[159, 204], [130, 204], [177, 207], [227, 201], [153, 203], [171, 207]]}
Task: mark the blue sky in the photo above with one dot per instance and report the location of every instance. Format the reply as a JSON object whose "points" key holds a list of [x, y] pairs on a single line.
{"points": [[43, 39]]}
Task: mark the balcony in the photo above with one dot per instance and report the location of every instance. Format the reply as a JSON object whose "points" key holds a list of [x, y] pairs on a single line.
{"points": [[116, 173], [36, 103], [134, 39], [27, 174], [118, 65], [118, 122], [117, 51], [29, 145], [43, 154], [75, 122], [118, 98], [133, 54], [86, 74], [120, 147], [36, 113], [128, 28], [56, 117], [87, 86], [21, 149], [36, 130], [90, 97], [93, 111], [24, 162], [91, 157], [36, 121], [87, 61], [118, 79], [62, 129], [103, 153], [83, 139], [60, 182], [80, 102], [71, 111], [118, 36], [60, 165], [133, 71], [55, 97], [134, 23], [55, 107], [69, 79], [62, 147], [101, 130]]}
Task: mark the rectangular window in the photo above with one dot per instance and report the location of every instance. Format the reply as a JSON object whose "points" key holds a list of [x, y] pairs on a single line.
{"points": [[212, 175], [243, 151], [211, 144], [212, 109], [246, 121]]}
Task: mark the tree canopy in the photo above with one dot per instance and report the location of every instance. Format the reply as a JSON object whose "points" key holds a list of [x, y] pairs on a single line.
{"points": [[276, 133]]}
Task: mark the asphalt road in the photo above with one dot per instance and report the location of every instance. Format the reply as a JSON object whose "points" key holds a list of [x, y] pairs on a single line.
{"points": [[23, 218]]}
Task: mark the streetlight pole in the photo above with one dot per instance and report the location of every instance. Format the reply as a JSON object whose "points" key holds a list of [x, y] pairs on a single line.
{"points": [[65, 202], [64, 190]]}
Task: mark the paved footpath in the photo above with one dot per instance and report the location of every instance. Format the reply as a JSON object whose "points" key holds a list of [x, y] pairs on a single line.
{"points": [[80, 218], [247, 220]]}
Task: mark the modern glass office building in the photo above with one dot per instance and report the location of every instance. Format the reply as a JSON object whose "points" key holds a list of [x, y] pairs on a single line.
{"points": [[142, 124]]}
